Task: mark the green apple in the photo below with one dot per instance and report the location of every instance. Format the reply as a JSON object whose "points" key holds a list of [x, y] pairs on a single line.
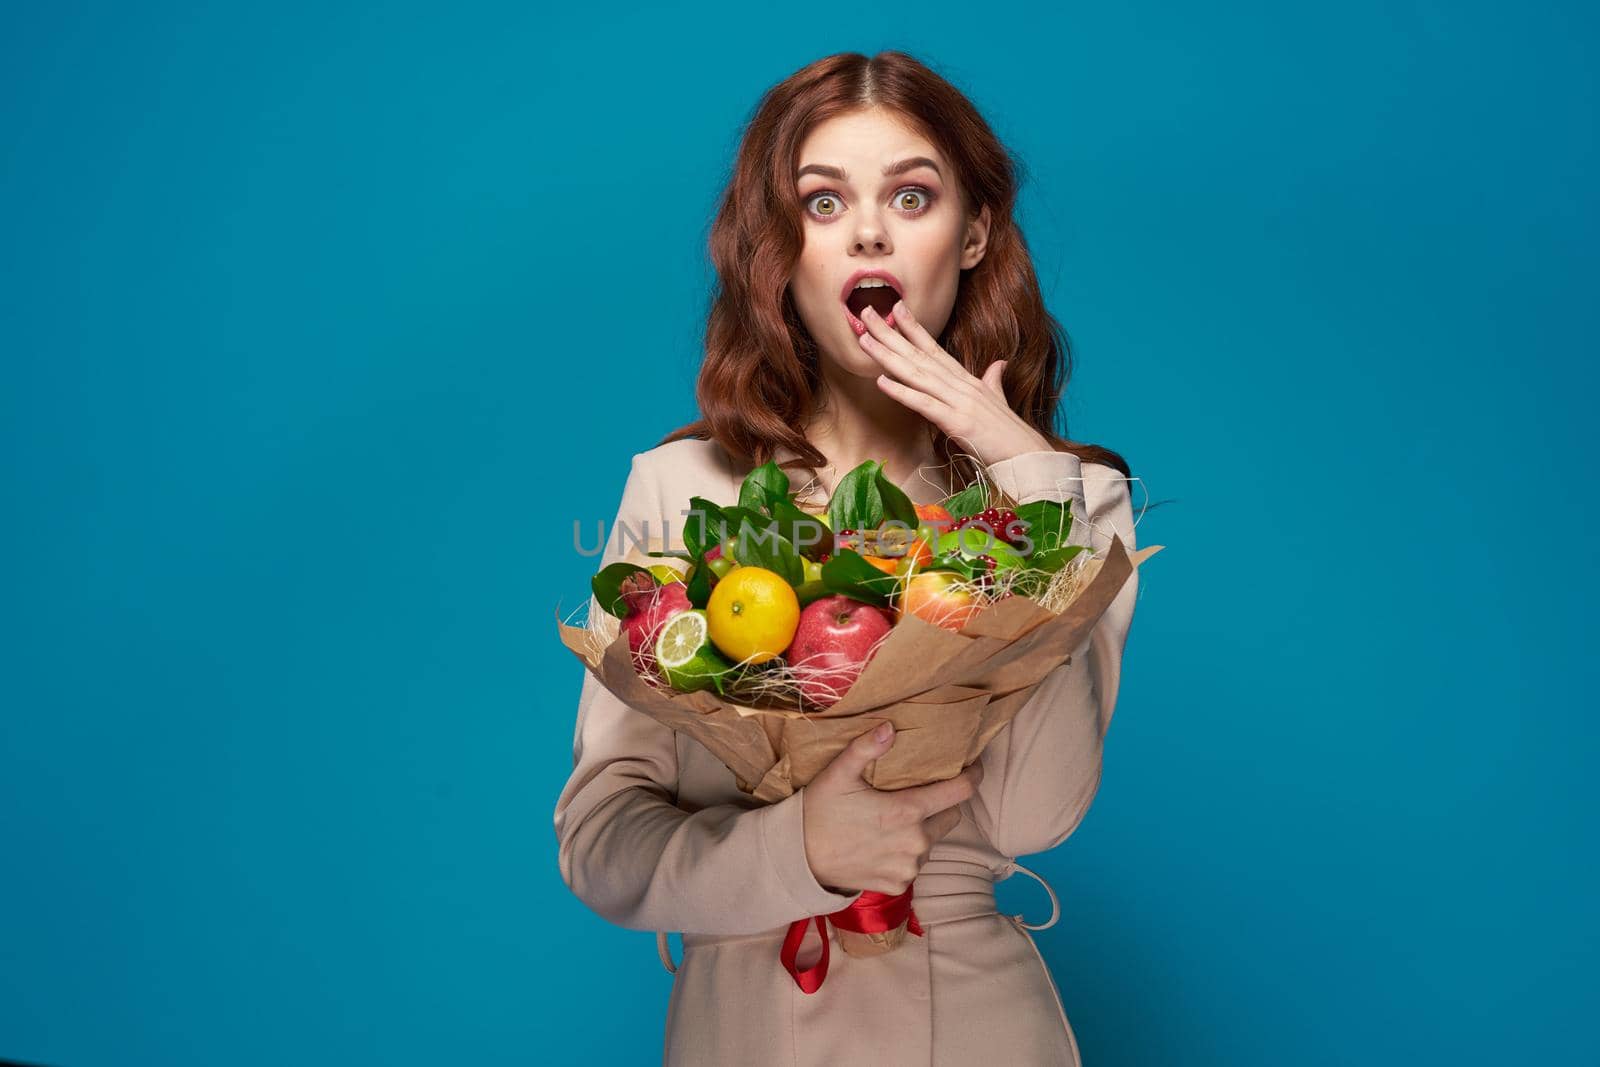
{"points": [[972, 541]]}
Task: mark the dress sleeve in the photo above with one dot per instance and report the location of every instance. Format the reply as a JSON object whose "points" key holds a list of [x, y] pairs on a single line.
{"points": [[1042, 771], [630, 853]]}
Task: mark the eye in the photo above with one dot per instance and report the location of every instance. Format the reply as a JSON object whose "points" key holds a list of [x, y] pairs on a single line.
{"points": [[920, 196], [827, 204], [912, 199]]}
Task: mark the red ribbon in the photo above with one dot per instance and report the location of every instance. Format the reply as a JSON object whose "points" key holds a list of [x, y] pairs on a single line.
{"points": [[870, 913]]}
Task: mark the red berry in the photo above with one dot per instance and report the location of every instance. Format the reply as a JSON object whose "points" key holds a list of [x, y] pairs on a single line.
{"points": [[997, 521], [994, 520]]}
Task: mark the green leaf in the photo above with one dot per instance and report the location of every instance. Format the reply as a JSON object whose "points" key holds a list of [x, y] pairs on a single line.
{"points": [[809, 534], [702, 527], [896, 505], [762, 486], [850, 575], [737, 516], [969, 501], [674, 554], [1049, 523], [1030, 584], [856, 503], [806, 592], [699, 585], [1053, 559], [607, 586], [764, 546]]}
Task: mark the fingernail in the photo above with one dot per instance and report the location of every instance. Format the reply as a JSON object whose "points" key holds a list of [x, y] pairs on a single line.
{"points": [[883, 732]]}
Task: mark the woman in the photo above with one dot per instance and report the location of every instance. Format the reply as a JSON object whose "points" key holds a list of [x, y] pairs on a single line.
{"points": [[854, 169]]}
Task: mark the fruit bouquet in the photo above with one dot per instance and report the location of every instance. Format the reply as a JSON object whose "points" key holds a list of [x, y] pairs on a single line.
{"points": [[774, 636]]}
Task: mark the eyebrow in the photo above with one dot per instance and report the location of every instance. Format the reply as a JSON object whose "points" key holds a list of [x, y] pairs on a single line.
{"points": [[838, 174]]}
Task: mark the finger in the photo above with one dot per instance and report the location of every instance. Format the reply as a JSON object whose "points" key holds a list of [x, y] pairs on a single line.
{"points": [[885, 334], [927, 799], [847, 768], [907, 322], [912, 371], [912, 375], [929, 407], [992, 377], [932, 360]]}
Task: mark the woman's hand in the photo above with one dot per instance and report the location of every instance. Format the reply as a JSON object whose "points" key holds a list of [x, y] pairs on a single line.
{"points": [[930, 381], [876, 839]]}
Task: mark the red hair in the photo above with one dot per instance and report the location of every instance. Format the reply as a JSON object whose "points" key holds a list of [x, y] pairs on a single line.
{"points": [[760, 374]]}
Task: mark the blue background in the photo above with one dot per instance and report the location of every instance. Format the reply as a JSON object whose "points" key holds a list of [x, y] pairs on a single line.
{"points": [[313, 315]]}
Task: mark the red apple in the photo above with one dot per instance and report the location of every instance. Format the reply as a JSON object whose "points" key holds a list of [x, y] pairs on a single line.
{"points": [[832, 645], [930, 597], [651, 608]]}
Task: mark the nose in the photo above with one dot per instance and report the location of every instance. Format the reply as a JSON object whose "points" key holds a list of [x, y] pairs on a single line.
{"points": [[870, 234]]}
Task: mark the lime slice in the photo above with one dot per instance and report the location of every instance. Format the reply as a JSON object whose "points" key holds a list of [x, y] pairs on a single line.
{"points": [[686, 655]]}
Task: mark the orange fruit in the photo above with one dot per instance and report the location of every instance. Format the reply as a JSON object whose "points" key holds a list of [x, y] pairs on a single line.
{"points": [[752, 614], [884, 564], [919, 555]]}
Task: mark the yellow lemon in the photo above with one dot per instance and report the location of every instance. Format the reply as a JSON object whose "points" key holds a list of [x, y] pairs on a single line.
{"points": [[752, 614]]}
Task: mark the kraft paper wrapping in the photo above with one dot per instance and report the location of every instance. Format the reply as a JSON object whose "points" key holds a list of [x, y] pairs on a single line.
{"points": [[947, 693]]}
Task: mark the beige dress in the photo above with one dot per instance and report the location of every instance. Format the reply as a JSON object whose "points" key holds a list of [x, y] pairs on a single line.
{"points": [[654, 835]]}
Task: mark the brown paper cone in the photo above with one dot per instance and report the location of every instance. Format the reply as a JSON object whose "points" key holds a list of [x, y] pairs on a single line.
{"points": [[947, 693]]}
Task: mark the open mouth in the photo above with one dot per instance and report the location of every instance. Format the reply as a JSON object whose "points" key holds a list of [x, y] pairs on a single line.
{"points": [[873, 292]]}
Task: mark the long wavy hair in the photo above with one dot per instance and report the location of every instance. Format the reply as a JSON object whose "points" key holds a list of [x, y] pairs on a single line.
{"points": [[760, 376]]}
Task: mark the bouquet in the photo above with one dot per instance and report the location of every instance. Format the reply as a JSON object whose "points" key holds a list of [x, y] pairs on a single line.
{"points": [[775, 636]]}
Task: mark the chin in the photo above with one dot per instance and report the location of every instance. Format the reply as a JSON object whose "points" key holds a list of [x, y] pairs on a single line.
{"points": [[857, 364]]}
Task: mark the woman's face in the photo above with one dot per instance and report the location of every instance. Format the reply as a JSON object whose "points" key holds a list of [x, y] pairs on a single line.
{"points": [[868, 204]]}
